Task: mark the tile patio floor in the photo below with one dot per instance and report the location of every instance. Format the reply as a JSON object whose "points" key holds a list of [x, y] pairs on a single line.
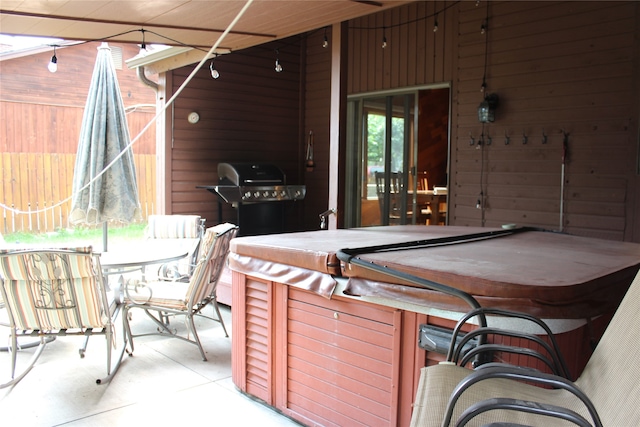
{"points": [[165, 383]]}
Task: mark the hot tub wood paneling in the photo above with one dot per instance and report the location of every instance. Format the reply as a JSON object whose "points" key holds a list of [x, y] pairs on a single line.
{"points": [[353, 360]]}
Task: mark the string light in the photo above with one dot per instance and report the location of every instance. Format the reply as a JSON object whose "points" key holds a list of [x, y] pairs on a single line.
{"points": [[483, 27], [53, 65], [384, 37], [278, 65], [435, 24], [214, 73], [143, 46], [325, 43]]}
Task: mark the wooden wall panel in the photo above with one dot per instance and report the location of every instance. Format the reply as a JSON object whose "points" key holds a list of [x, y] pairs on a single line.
{"points": [[251, 113], [317, 109], [558, 67]]}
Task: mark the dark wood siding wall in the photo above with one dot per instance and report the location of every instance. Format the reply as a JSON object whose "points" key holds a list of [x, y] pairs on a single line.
{"points": [[251, 113], [317, 110], [558, 67], [415, 54]]}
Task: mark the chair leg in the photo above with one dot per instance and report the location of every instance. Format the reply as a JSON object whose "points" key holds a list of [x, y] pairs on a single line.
{"points": [[127, 328], [14, 350], [111, 371], [196, 338], [217, 310]]}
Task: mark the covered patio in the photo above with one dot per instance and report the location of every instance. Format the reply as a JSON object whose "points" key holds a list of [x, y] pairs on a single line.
{"points": [[165, 383]]}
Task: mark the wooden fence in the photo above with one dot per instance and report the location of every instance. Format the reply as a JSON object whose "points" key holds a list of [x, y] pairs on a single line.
{"points": [[34, 184]]}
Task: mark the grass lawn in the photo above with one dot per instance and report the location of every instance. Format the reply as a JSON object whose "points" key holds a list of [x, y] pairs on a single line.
{"points": [[80, 236]]}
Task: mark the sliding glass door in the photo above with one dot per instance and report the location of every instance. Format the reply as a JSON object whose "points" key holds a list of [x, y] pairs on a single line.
{"points": [[382, 157]]}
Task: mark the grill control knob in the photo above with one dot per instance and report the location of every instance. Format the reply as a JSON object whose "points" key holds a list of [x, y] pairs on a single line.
{"points": [[265, 194], [256, 194], [274, 194], [247, 195], [283, 193]]}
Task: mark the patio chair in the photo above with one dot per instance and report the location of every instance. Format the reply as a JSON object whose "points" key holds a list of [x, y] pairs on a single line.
{"points": [[183, 230], [160, 298], [396, 187], [606, 392], [56, 293]]}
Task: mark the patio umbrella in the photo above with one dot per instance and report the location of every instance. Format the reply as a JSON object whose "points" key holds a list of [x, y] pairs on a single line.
{"points": [[112, 195]]}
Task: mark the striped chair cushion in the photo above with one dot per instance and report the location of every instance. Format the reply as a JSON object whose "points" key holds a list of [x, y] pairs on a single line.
{"points": [[173, 226], [182, 296], [49, 290]]}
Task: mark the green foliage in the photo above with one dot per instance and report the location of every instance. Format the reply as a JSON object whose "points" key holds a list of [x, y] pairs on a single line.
{"points": [[81, 236]]}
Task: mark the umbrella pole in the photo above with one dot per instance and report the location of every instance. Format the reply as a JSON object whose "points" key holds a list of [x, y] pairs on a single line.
{"points": [[105, 228]]}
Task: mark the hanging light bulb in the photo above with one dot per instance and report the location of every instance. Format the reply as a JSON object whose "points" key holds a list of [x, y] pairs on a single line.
{"points": [[278, 65], [435, 24], [325, 43], [483, 86], [143, 45], [214, 73], [53, 65], [384, 38], [483, 27]]}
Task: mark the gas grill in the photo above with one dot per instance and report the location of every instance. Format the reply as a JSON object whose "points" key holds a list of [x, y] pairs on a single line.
{"points": [[257, 191], [252, 182]]}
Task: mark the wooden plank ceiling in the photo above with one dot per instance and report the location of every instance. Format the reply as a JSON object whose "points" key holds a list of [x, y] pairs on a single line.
{"points": [[178, 22]]}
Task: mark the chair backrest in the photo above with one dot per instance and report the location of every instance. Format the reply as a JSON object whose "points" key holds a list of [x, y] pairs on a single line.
{"points": [[395, 195], [174, 227], [49, 290], [612, 374], [395, 183], [186, 230], [215, 249]]}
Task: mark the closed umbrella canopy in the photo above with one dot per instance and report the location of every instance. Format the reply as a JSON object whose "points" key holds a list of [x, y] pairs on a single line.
{"points": [[112, 195]]}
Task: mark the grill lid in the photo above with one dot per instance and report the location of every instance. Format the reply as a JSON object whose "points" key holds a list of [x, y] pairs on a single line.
{"points": [[250, 174], [254, 182]]}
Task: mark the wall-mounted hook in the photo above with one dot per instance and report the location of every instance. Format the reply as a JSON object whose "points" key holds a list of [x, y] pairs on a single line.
{"points": [[506, 138], [544, 137], [525, 138]]}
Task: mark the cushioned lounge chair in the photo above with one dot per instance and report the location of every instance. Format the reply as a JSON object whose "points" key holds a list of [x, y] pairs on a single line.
{"points": [[610, 381], [161, 299], [56, 293]]}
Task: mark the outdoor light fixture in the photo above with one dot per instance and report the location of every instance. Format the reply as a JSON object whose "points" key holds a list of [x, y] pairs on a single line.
{"points": [[214, 73], [53, 65], [487, 108], [143, 45], [325, 43], [278, 65]]}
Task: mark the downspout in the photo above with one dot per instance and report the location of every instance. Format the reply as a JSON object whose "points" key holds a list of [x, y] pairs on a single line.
{"points": [[144, 79]]}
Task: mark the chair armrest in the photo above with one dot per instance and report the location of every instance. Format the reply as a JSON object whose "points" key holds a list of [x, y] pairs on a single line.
{"points": [[551, 348], [476, 352], [495, 370], [527, 406]]}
